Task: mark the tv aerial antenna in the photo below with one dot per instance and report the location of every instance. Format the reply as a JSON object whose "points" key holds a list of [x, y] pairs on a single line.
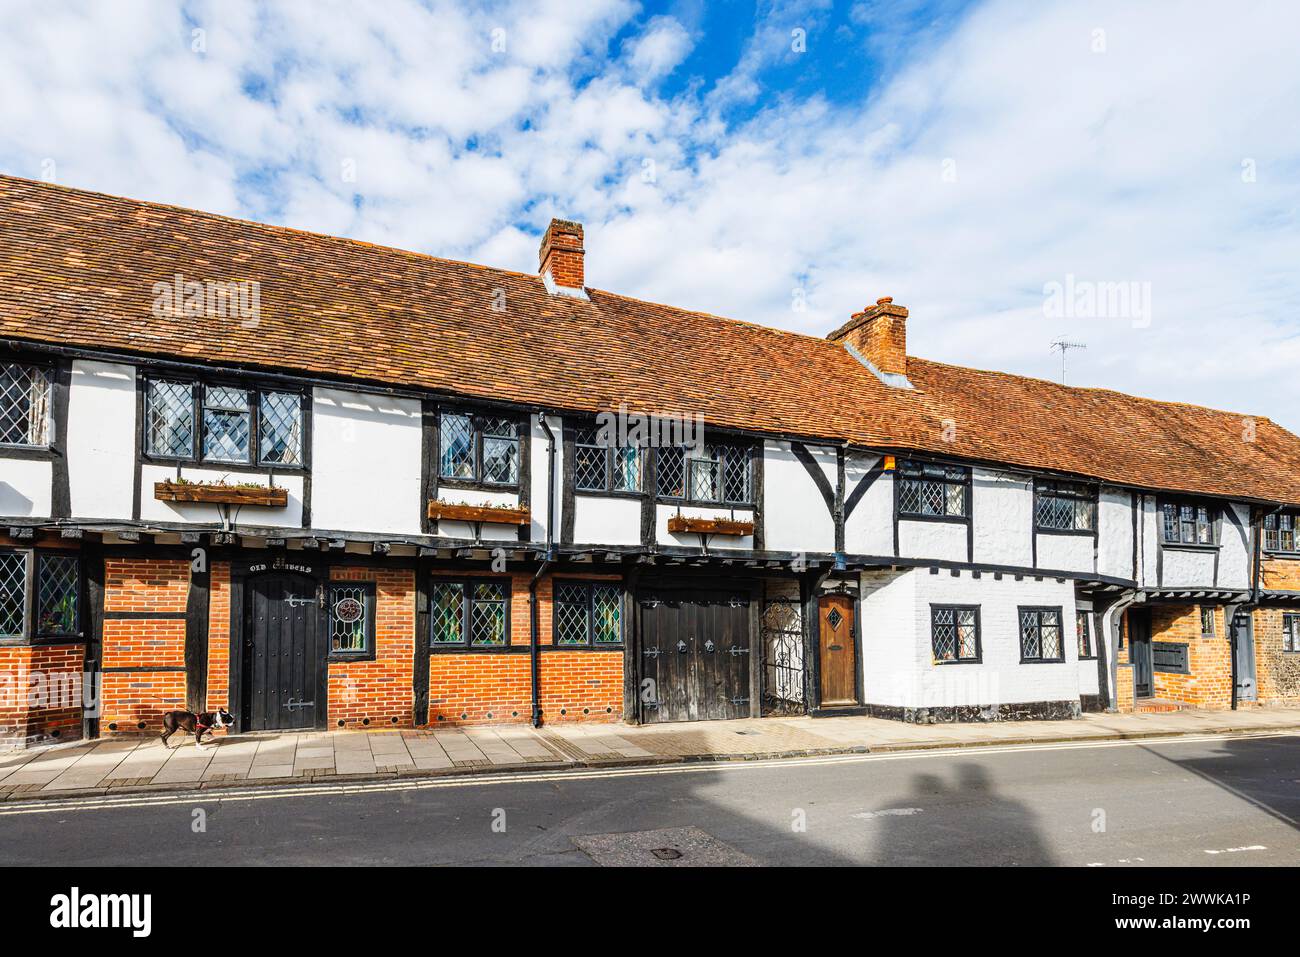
{"points": [[1064, 346]]}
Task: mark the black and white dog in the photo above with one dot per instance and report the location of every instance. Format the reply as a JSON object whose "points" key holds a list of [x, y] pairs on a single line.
{"points": [[196, 724]]}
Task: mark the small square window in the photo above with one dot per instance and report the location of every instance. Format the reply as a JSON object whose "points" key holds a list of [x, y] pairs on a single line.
{"points": [[469, 613], [955, 633], [587, 614], [1040, 635]]}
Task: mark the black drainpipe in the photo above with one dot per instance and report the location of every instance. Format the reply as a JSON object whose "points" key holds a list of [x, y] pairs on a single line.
{"points": [[533, 649]]}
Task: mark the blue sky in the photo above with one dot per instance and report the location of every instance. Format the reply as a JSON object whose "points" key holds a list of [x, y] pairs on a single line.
{"points": [[784, 163]]}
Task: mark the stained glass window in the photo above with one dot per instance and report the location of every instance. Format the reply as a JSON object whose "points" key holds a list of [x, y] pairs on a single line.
{"points": [[352, 619], [58, 592]]}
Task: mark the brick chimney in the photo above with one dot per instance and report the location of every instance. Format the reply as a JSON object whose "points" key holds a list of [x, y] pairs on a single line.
{"points": [[878, 334], [560, 257]]}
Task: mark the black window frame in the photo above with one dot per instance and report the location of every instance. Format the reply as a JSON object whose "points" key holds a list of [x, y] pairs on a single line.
{"points": [[979, 637], [1214, 521], [1214, 631], [590, 586], [578, 432], [477, 417], [33, 634], [921, 472], [1076, 492], [1083, 635], [50, 370], [1275, 520], [256, 390], [1291, 625], [372, 613], [468, 600], [728, 447], [1060, 624]]}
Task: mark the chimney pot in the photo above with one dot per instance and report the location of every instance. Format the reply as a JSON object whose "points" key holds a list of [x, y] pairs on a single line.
{"points": [[561, 254], [884, 300]]}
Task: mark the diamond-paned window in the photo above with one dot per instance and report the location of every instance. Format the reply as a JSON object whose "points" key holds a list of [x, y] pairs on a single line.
{"points": [[572, 614], [227, 424], [954, 632], [447, 613], [1040, 635], [169, 419], [25, 393], [13, 594], [1065, 507], [1279, 532], [351, 618], [58, 592], [928, 489], [500, 450], [488, 614], [588, 614], [280, 424], [713, 472], [457, 437], [601, 466]]}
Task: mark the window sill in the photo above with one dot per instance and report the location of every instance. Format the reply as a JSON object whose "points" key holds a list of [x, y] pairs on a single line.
{"points": [[960, 661], [1075, 532], [1042, 661], [618, 647], [476, 649], [693, 503], [1188, 546], [336, 657], [40, 453], [952, 519], [476, 486], [599, 493], [1087, 657], [242, 467]]}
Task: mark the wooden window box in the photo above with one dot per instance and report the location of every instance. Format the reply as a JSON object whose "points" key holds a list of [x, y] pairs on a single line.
{"points": [[709, 526], [497, 514], [220, 494]]}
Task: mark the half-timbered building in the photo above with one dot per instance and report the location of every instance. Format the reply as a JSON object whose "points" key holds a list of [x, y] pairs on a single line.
{"points": [[327, 484]]}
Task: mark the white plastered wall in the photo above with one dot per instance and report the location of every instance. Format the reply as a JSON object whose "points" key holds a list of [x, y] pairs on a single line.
{"points": [[101, 440]]}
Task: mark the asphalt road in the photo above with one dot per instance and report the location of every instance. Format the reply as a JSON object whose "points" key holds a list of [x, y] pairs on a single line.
{"points": [[1219, 802]]}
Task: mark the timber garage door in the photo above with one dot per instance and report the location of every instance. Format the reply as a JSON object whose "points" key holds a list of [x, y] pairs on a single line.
{"points": [[695, 655]]}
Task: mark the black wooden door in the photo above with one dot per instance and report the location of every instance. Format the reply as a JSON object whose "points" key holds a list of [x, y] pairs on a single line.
{"points": [[1243, 646], [282, 654], [1139, 629], [695, 655]]}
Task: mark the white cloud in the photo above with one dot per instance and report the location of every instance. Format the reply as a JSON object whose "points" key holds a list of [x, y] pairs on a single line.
{"points": [[999, 155]]}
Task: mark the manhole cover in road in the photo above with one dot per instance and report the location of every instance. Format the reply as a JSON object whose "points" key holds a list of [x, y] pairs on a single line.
{"points": [[667, 847]]}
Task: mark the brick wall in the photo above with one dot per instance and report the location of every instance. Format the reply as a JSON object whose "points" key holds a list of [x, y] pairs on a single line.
{"points": [[219, 636], [156, 590], [40, 693], [1277, 673], [495, 687], [1282, 574], [1209, 685], [378, 693]]}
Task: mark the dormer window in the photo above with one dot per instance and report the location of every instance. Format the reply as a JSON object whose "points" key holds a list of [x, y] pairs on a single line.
{"points": [[25, 392]]}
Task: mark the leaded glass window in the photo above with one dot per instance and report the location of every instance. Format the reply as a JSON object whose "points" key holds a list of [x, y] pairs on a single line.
{"points": [[712, 472], [587, 614], [24, 404], [226, 424], [473, 613], [1065, 507], [1207, 621], [1291, 633], [13, 594], [600, 465], [352, 619], [280, 415], [447, 612], [58, 591], [478, 448], [169, 419], [1189, 523], [1083, 634], [1040, 635], [954, 632], [931, 490], [1279, 532], [230, 424]]}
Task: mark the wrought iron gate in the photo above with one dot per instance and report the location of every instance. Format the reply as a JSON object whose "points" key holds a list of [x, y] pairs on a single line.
{"points": [[783, 657]]}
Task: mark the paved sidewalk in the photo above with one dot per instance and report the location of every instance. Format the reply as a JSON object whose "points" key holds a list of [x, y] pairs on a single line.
{"points": [[120, 764]]}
